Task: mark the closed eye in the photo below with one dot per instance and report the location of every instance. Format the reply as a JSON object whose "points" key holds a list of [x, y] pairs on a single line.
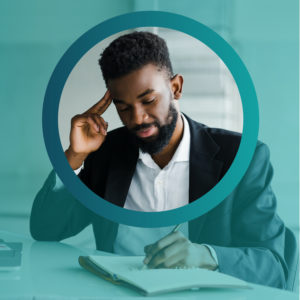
{"points": [[150, 101], [124, 109]]}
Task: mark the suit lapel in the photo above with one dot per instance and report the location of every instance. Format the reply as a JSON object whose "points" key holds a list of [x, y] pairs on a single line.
{"points": [[205, 171], [121, 171]]}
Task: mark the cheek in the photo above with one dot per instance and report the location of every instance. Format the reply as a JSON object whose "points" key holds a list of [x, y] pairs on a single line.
{"points": [[162, 111], [124, 117]]}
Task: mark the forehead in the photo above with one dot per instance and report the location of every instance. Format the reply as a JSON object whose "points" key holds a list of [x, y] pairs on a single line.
{"points": [[136, 82]]}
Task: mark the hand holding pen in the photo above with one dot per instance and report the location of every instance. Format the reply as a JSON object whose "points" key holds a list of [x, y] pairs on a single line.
{"points": [[177, 251], [148, 248]]}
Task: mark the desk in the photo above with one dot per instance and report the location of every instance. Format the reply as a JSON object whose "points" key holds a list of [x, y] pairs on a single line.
{"points": [[50, 270]]}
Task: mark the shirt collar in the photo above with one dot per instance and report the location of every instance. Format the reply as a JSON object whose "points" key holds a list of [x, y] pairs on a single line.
{"points": [[182, 152]]}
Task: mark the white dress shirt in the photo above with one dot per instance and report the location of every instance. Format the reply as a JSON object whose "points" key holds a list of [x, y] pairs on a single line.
{"points": [[155, 189]]}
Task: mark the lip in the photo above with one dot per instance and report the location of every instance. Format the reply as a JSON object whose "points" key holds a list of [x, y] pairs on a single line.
{"points": [[144, 133]]}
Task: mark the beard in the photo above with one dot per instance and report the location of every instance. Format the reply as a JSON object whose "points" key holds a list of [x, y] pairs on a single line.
{"points": [[156, 144]]}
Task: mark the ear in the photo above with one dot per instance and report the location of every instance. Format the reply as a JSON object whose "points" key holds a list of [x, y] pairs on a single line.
{"points": [[176, 86]]}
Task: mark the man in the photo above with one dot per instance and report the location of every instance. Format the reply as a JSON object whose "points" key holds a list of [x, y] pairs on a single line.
{"points": [[162, 160]]}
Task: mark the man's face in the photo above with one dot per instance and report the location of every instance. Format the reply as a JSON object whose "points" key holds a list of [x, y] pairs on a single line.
{"points": [[145, 103]]}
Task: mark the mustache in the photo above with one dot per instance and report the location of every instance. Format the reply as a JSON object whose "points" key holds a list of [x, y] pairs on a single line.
{"points": [[144, 126]]}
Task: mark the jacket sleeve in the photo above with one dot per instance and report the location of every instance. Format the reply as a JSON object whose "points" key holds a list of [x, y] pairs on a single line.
{"points": [[56, 214], [257, 253]]}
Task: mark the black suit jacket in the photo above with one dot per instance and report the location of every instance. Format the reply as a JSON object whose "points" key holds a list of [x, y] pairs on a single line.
{"points": [[244, 229]]}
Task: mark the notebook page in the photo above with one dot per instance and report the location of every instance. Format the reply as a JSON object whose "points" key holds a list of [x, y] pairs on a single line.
{"points": [[155, 280], [119, 264]]}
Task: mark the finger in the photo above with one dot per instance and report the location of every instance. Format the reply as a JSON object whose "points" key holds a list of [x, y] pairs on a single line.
{"points": [[107, 99], [78, 121], [102, 126], [147, 248], [101, 106], [161, 259], [174, 262], [94, 128], [99, 128], [177, 263], [103, 123], [153, 249]]}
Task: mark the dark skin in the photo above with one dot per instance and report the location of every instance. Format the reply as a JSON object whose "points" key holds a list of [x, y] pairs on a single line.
{"points": [[141, 97]]}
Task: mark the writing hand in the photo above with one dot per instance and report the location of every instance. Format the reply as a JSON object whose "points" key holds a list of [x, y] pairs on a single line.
{"points": [[175, 250], [88, 132]]}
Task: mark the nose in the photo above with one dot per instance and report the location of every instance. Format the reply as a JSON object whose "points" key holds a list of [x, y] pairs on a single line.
{"points": [[139, 115]]}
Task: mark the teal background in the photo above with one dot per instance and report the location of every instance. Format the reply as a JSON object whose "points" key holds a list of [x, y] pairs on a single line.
{"points": [[35, 34]]}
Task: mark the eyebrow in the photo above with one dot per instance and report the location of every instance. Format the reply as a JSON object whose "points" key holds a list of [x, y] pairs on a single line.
{"points": [[118, 101], [146, 92]]}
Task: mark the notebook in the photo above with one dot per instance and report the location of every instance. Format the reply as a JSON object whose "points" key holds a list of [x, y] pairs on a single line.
{"points": [[128, 271]]}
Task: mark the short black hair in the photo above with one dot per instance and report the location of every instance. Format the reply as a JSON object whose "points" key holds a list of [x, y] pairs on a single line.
{"points": [[132, 51]]}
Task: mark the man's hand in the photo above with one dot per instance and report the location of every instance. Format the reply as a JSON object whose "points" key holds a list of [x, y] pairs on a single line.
{"points": [[88, 132], [175, 250]]}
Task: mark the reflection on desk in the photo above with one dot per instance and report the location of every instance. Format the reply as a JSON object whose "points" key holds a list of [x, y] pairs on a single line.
{"points": [[50, 270]]}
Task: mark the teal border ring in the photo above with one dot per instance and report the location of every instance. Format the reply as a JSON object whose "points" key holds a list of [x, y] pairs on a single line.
{"points": [[150, 19]]}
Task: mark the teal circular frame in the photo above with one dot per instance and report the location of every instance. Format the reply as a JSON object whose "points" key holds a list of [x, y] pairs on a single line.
{"points": [[150, 19]]}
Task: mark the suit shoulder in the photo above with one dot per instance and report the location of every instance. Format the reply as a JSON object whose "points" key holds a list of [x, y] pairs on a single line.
{"points": [[216, 134], [225, 135], [117, 135], [229, 142], [113, 141], [226, 140]]}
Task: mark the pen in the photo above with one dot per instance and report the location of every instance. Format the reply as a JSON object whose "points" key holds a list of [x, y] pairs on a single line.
{"points": [[176, 228]]}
